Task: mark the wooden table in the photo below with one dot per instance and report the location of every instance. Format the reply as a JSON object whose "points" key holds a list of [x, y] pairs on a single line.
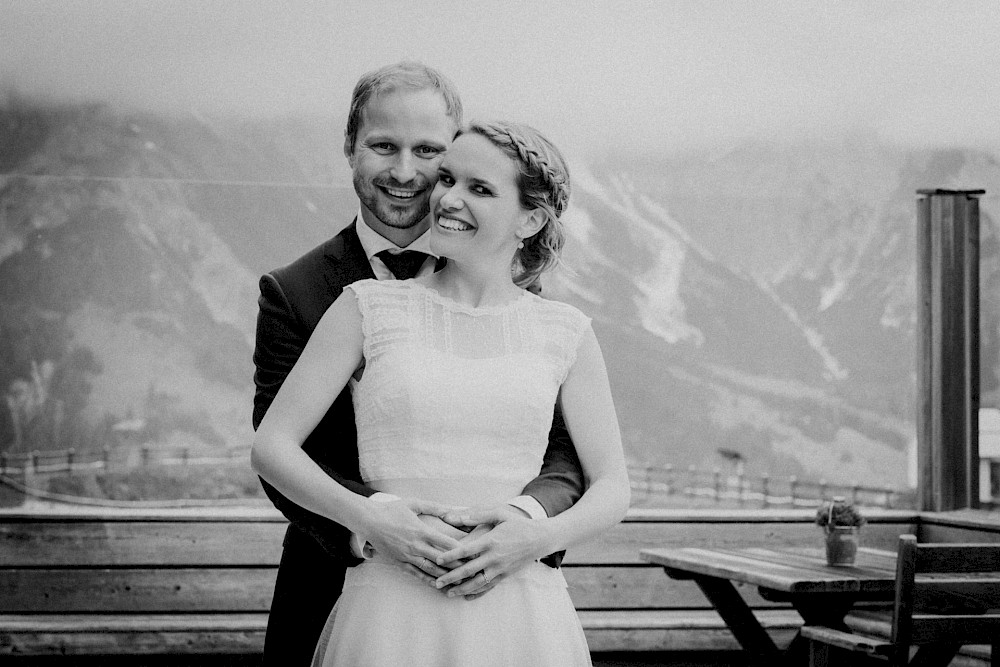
{"points": [[820, 593]]}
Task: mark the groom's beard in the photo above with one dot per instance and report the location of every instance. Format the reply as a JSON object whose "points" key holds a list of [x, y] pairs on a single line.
{"points": [[389, 213]]}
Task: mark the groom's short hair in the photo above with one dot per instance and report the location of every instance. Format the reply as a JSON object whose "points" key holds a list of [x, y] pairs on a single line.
{"points": [[406, 74]]}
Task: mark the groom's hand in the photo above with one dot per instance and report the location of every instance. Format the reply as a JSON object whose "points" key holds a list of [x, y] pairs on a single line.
{"points": [[505, 541], [404, 531]]}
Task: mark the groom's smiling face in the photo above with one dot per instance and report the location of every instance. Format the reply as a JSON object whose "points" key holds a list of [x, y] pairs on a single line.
{"points": [[395, 156]]}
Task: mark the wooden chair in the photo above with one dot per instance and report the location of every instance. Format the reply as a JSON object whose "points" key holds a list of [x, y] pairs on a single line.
{"points": [[950, 604]]}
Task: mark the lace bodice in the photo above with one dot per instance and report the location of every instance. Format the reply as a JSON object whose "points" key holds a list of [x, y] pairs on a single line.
{"points": [[457, 393]]}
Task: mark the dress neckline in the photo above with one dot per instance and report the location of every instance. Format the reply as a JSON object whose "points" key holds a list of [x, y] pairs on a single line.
{"points": [[471, 310]]}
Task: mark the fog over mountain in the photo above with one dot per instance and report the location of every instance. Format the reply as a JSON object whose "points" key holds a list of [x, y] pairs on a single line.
{"points": [[759, 298]]}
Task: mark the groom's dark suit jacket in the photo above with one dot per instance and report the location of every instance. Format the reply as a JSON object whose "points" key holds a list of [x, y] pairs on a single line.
{"points": [[316, 550]]}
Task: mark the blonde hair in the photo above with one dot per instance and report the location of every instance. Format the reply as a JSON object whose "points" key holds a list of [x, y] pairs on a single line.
{"points": [[406, 74], [543, 183]]}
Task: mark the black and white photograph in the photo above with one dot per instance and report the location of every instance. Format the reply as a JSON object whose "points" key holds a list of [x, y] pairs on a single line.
{"points": [[280, 388]]}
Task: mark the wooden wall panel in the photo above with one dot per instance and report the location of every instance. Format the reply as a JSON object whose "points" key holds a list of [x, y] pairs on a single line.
{"points": [[622, 544], [191, 543], [249, 590], [111, 544], [132, 591]]}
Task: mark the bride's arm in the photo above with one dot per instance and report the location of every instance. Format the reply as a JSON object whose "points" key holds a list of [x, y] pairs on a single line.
{"points": [[332, 354], [585, 398]]}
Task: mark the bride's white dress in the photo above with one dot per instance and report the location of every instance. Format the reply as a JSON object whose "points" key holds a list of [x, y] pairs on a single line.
{"points": [[455, 405]]}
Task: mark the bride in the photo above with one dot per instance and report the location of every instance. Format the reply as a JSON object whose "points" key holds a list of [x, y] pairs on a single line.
{"points": [[456, 376]]}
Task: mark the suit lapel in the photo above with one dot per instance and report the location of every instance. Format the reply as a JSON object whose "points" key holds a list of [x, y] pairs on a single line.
{"points": [[346, 260]]}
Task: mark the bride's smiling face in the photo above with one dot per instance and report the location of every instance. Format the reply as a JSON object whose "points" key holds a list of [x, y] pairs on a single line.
{"points": [[476, 204]]}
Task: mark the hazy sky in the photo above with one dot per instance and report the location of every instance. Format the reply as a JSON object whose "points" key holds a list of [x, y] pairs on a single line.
{"points": [[643, 74]]}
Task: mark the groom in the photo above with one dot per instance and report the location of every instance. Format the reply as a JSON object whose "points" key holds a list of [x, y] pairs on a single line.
{"points": [[402, 119]]}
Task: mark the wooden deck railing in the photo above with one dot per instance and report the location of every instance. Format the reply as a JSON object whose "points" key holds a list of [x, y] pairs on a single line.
{"points": [[99, 582], [88, 581]]}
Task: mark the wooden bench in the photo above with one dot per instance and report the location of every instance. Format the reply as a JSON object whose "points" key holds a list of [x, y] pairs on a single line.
{"points": [[199, 582], [941, 605]]}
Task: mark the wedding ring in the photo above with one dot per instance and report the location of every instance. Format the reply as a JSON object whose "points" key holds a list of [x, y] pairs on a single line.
{"points": [[486, 579]]}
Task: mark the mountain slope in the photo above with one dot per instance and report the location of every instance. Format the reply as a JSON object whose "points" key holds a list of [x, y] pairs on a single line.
{"points": [[758, 300]]}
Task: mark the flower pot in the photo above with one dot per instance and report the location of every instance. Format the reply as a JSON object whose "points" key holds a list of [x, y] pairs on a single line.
{"points": [[841, 545]]}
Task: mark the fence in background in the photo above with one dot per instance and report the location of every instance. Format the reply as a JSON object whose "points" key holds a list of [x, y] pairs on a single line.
{"points": [[68, 461], [666, 485], [651, 485]]}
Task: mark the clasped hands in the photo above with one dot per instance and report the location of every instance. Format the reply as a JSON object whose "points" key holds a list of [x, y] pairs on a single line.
{"points": [[461, 551]]}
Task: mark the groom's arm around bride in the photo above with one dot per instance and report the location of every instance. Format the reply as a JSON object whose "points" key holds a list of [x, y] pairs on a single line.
{"points": [[402, 120]]}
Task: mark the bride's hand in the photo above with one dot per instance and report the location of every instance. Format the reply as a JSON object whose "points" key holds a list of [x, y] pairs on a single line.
{"points": [[411, 533], [474, 586], [433, 522], [504, 541]]}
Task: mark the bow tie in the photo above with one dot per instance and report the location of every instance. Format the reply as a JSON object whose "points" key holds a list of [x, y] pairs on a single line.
{"points": [[404, 265]]}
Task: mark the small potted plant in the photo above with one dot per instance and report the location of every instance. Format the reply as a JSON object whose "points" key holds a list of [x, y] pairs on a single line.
{"points": [[841, 521]]}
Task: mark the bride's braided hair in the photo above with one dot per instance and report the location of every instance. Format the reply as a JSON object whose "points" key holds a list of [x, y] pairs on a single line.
{"points": [[543, 183]]}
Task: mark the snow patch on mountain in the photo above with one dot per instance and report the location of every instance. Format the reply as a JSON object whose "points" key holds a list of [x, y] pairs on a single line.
{"points": [[833, 369], [830, 294], [656, 295], [227, 287]]}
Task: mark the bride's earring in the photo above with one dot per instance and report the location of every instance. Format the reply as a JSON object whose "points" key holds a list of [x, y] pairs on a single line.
{"points": [[520, 245]]}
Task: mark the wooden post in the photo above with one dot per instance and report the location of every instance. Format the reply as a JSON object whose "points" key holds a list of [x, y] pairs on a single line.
{"points": [[948, 349]]}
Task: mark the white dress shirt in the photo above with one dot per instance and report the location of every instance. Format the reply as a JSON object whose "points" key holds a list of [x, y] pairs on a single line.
{"points": [[374, 243]]}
